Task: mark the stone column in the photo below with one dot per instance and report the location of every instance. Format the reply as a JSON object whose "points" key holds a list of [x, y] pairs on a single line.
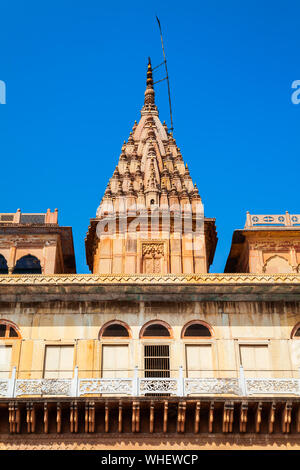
{"points": [[49, 262], [293, 259], [12, 259]]}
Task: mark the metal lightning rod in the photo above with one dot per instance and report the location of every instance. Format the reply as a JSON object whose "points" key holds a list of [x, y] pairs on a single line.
{"points": [[167, 75]]}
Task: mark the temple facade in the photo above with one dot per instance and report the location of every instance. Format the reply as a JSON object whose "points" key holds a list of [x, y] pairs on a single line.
{"points": [[150, 350]]}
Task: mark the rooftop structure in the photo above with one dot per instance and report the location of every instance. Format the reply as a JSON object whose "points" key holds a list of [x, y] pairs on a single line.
{"points": [[267, 244], [35, 244]]}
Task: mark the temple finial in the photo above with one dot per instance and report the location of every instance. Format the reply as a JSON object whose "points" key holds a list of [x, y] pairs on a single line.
{"points": [[149, 93], [149, 74]]}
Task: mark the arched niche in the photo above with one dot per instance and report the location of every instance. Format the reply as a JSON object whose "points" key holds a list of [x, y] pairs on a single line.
{"points": [[3, 265], [277, 265], [28, 264]]}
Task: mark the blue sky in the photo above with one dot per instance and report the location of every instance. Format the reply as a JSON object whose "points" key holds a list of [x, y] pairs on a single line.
{"points": [[75, 77]]}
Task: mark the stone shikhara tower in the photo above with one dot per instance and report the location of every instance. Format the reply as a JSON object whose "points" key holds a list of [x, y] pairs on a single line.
{"points": [[151, 219]]}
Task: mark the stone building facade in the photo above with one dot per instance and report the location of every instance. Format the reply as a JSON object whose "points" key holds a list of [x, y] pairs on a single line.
{"points": [[150, 350]]}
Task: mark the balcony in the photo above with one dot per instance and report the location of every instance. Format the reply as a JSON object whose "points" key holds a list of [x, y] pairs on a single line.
{"points": [[139, 386]]}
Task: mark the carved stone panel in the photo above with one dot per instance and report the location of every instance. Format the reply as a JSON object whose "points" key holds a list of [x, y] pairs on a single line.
{"points": [[211, 386], [158, 385], [153, 256], [3, 387], [43, 387], [99, 386], [272, 386]]}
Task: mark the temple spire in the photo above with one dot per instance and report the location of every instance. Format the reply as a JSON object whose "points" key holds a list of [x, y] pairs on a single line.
{"points": [[151, 180]]}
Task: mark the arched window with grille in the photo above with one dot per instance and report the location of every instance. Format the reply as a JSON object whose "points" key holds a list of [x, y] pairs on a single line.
{"points": [[196, 329], [156, 329], [8, 330], [114, 329], [157, 351]]}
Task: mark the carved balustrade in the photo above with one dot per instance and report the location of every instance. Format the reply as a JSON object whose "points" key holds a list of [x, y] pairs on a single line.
{"points": [[143, 386]]}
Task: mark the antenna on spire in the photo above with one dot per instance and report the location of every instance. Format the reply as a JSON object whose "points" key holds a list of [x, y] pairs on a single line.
{"points": [[167, 75]]}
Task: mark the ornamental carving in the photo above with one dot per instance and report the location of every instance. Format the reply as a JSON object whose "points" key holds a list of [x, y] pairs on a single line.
{"points": [[266, 386], [158, 386], [98, 386], [85, 279], [43, 387], [153, 254], [211, 386], [271, 245], [150, 385], [3, 387], [153, 249]]}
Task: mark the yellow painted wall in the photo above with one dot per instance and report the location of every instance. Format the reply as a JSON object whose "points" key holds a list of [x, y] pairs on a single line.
{"points": [[232, 323]]}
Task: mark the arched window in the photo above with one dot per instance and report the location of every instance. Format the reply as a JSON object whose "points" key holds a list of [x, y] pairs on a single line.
{"points": [[115, 329], [3, 265], [8, 330], [115, 354], [196, 329], [296, 331], [199, 356], [28, 265], [156, 329]]}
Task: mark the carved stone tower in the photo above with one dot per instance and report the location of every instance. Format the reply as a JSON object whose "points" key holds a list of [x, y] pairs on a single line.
{"points": [[150, 219]]}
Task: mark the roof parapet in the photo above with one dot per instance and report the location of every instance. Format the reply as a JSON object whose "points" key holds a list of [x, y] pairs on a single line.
{"points": [[19, 217], [281, 220]]}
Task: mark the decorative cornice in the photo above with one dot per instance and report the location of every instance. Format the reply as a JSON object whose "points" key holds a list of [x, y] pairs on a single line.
{"points": [[33, 279]]}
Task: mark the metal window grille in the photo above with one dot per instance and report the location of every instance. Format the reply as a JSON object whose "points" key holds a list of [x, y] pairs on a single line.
{"points": [[157, 360]]}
